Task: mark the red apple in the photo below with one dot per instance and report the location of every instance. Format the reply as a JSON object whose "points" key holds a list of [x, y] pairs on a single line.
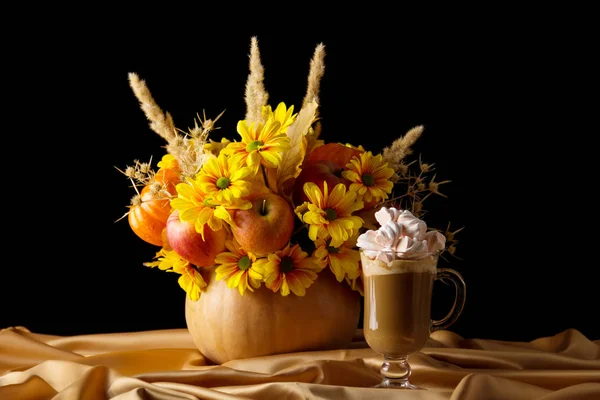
{"points": [[317, 172], [267, 226], [183, 238]]}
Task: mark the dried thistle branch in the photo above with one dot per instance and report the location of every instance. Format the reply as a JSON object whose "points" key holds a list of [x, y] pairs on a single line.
{"points": [[414, 185], [256, 95], [317, 69], [401, 148], [188, 149], [451, 241], [160, 122]]}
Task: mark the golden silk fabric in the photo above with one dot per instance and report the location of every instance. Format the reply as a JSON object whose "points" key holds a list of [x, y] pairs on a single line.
{"points": [[165, 365]]}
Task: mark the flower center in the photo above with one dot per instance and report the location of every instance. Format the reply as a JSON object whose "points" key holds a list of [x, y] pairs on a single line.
{"points": [[332, 249], [330, 214], [244, 263], [223, 183], [368, 179], [286, 265], [254, 145]]}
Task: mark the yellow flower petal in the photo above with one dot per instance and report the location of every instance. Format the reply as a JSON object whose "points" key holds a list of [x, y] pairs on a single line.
{"points": [[295, 285], [285, 287]]}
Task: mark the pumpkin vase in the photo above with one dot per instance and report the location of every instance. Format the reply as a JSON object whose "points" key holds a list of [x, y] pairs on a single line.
{"points": [[226, 326]]}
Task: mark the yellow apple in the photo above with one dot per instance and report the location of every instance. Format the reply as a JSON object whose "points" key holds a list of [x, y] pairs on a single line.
{"points": [[267, 226]]}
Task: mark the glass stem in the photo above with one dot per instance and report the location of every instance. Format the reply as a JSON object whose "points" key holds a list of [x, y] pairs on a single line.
{"points": [[395, 371]]}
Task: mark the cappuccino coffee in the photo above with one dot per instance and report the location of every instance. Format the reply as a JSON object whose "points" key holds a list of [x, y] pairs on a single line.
{"points": [[397, 314]]}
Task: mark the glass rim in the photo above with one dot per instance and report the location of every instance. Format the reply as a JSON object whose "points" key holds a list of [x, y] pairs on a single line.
{"points": [[425, 253]]}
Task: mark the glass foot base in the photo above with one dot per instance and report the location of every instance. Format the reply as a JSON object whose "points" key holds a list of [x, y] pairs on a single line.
{"points": [[399, 384]]}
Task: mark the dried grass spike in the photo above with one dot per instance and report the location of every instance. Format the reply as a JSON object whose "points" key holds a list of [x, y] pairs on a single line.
{"points": [[256, 95], [160, 122], [317, 69], [401, 147]]}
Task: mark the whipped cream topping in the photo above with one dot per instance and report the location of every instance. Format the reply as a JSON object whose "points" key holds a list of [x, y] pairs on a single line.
{"points": [[401, 236]]}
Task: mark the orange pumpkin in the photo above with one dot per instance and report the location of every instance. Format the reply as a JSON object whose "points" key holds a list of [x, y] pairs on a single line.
{"points": [[226, 326], [337, 153], [149, 218], [170, 177]]}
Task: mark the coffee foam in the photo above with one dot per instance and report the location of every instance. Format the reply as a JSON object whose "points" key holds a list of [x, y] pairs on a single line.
{"points": [[375, 266]]}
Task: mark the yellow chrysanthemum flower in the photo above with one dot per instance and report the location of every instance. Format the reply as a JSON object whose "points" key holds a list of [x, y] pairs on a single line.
{"points": [[288, 270], [190, 280], [214, 147], [285, 116], [168, 161], [222, 178], [343, 261], [330, 214], [261, 144], [195, 207], [237, 268], [370, 176], [167, 260]]}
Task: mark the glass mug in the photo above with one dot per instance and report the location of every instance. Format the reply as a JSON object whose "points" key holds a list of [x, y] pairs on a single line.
{"points": [[397, 310]]}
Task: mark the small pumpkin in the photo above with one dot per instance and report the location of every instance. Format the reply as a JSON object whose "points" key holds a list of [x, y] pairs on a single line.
{"points": [[336, 153], [226, 325], [148, 218]]}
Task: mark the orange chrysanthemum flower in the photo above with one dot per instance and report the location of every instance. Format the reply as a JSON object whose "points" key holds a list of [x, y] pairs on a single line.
{"points": [[288, 270], [370, 176]]}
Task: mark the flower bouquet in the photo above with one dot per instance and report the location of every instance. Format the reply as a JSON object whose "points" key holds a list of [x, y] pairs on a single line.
{"points": [[262, 226]]}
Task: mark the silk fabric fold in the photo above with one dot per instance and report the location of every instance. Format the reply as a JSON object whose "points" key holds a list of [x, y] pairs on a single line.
{"points": [[165, 365]]}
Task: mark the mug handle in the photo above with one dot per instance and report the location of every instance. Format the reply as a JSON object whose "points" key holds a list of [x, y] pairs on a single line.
{"points": [[460, 293]]}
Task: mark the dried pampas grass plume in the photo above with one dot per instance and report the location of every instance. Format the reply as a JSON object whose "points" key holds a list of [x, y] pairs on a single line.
{"points": [[256, 95], [401, 148], [317, 69], [160, 122], [187, 148]]}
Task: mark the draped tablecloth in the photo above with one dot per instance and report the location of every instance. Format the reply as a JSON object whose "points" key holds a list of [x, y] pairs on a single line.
{"points": [[164, 364]]}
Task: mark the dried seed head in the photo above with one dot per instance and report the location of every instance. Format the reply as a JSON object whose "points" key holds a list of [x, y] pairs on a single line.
{"points": [[402, 169], [434, 187], [144, 168], [417, 208], [129, 172], [155, 188], [135, 201], [208, 125], [179, 141], [139, 176]]}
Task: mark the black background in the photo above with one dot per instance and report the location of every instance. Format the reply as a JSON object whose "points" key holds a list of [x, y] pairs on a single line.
{"points": [[502, 111]]}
